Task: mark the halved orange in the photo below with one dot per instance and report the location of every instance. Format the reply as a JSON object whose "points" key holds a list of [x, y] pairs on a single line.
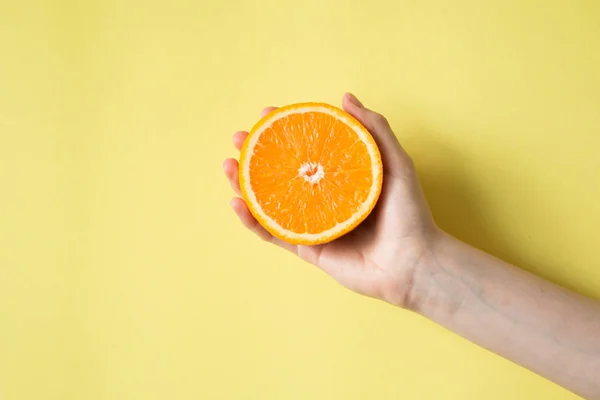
{"points": [[310, 173]]}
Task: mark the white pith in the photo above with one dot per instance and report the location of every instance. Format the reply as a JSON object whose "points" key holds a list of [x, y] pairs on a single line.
{"points": [[304, 169], [364, 208]]}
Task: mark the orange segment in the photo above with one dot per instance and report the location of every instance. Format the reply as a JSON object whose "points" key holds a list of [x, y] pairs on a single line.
{"points": [[310, 173]]}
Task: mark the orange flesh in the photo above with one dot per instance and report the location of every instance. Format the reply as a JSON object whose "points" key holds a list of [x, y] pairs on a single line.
{"points": [[318, 142]]}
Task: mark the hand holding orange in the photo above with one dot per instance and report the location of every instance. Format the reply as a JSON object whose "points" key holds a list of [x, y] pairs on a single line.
{"points": [[310, 173]]}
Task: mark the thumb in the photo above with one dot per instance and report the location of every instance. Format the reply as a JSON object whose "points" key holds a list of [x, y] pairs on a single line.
{"points": [[393, 155]]}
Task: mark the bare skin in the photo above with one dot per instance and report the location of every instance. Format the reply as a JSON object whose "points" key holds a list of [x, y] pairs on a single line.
{"points": [[400, 256]]}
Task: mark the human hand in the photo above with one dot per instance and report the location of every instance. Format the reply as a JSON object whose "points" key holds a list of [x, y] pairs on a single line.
{"points": [[381, 256], [400, 256]]}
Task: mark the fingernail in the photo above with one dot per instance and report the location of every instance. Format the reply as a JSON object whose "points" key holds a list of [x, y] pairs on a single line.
{"points": [[352, 98]]}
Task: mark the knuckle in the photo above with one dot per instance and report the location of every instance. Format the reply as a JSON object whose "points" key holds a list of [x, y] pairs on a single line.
{"points": [[263, 235], [380, 120], [409, 162], [255, 226], [408, 167]]}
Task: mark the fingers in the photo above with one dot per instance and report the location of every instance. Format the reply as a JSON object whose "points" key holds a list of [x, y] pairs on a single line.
{"points": [[241, 209], [231, 166], [394, 157], [239, 138], [265, 111], [231, 169]]}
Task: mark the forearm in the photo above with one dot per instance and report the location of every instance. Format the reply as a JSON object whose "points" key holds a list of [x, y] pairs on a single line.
{"points": [[537, 324]]}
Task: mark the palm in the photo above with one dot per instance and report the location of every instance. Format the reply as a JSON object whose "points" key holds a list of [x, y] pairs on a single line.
{"points": [[383, 246], [381, 251]]}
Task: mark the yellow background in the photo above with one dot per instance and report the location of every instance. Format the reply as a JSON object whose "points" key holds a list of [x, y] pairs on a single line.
{"points": [[123, 273]]}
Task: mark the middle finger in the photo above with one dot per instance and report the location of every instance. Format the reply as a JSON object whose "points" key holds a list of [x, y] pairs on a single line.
{"points": [[239, 138], [231, 168]]}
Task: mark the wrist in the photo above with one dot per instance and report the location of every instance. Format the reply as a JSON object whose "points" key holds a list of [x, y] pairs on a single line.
{"points": [[407, 283], [438, 285]]}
